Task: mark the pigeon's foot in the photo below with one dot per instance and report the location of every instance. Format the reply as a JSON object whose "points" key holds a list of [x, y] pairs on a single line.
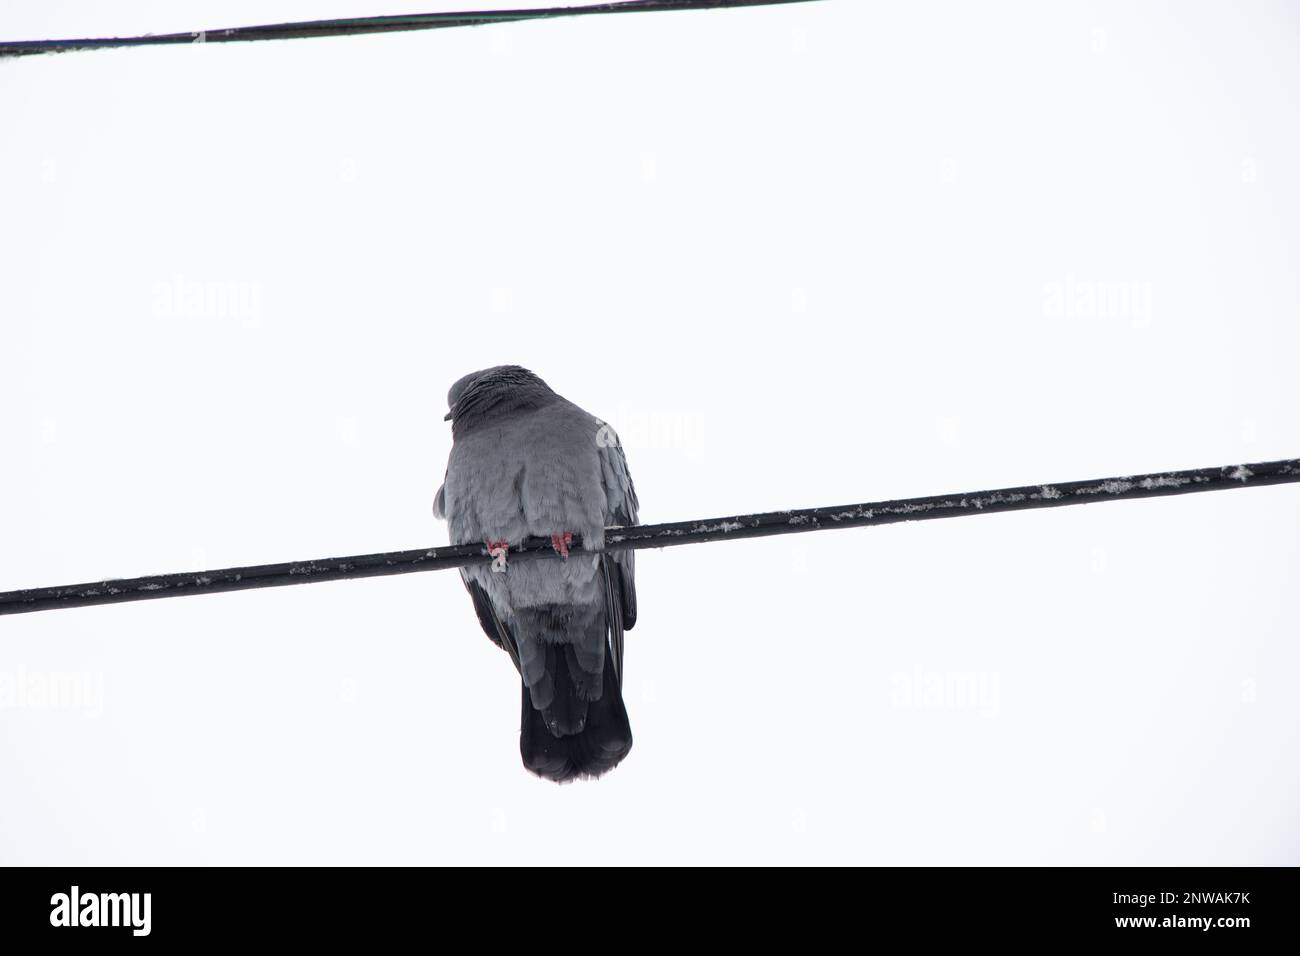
{"points": [[498, 551], [560, 542]]}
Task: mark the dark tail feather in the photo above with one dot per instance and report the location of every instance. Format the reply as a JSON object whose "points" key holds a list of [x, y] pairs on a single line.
{"points": [[603, 740]]}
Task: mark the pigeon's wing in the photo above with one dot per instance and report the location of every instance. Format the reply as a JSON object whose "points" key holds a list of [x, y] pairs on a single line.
{"points": [[440, 502], [619, 566], [490, 621], [620, 510], [614, 618]]}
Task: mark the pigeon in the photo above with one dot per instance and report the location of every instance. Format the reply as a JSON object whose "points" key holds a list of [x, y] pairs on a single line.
{"points": [[527, 463]]}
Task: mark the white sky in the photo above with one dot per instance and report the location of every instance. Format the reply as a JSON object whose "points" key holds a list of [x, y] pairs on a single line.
{"points": [[799, 256]]}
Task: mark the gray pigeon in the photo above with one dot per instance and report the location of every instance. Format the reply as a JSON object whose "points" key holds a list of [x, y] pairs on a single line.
{"points": [[527, 463]]}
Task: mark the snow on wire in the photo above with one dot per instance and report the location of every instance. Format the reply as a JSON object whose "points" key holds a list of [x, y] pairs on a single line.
{"points": [[660, 535]]}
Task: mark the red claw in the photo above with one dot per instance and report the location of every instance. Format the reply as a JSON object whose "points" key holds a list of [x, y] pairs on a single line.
{"points": [[560, 542]]}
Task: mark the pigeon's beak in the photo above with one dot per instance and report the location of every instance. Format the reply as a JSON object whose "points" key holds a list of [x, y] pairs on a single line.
{"points": [[447, 417]]}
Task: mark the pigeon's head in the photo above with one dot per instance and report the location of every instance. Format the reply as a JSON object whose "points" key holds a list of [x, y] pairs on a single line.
{"points": [[489, 392]]}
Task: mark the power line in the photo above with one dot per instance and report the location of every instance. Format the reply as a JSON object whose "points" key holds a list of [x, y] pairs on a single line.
{"points": [[661, 535], [352, 26]]}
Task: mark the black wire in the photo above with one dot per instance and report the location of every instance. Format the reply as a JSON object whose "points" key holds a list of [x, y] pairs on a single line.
{"points": [[352, 26], [661, 535]]}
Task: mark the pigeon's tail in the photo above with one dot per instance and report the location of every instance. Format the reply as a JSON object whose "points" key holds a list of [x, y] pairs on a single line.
{"points": [[574, 737]]}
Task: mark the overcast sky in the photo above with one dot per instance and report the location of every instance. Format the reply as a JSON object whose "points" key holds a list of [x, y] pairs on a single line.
{"points": [[810, 255]]}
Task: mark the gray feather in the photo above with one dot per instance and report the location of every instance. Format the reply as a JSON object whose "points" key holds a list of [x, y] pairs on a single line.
{"points": [[526, 462]]}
